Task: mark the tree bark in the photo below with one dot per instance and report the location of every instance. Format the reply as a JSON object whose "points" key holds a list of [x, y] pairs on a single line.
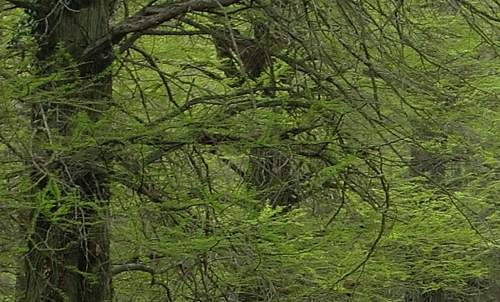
{"points": [[67, 240], [271, 172]]}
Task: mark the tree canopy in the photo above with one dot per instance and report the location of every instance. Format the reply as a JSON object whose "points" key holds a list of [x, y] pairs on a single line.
{"points": [[249, 150]]}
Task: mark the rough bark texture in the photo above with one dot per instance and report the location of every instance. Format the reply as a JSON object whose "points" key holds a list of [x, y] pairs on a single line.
{"points": [[241, 56], [272, 173], [68, 244]]}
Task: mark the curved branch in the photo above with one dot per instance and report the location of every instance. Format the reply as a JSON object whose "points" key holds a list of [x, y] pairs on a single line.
{"points": [[150, 17], [128, 267]]}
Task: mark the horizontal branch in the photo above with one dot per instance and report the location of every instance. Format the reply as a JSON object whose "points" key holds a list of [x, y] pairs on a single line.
{"points": [[25, 4], [150, 17], [152, 32], [128, 267]]}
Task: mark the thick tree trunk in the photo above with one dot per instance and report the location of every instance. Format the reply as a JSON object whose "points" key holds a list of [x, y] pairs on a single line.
{"points": [[68, 244]]}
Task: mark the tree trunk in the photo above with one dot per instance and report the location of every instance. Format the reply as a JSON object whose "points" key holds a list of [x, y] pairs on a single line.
{"points": [[67, 240], [431, 296], [272, 173]]}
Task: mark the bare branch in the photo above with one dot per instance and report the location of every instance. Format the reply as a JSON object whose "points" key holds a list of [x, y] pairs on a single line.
{"points": [[128, 267], [151, 17]]}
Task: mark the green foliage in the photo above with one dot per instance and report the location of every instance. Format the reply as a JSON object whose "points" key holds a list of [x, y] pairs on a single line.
{"points": [[380, 118]]}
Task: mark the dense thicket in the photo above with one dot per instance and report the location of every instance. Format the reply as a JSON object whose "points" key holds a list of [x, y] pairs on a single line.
{"points": [[245, 151]]}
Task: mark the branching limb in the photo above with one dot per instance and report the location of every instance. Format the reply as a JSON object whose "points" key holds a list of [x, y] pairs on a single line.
{"points": [[150, 17]]}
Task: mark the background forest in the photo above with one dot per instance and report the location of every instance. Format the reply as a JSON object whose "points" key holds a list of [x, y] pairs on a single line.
{"points": [[253, 150]]}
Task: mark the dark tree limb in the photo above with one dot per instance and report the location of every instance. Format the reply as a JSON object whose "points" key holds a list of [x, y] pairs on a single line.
{"points": [[25, 4], [150, 17], [128, 267]]}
